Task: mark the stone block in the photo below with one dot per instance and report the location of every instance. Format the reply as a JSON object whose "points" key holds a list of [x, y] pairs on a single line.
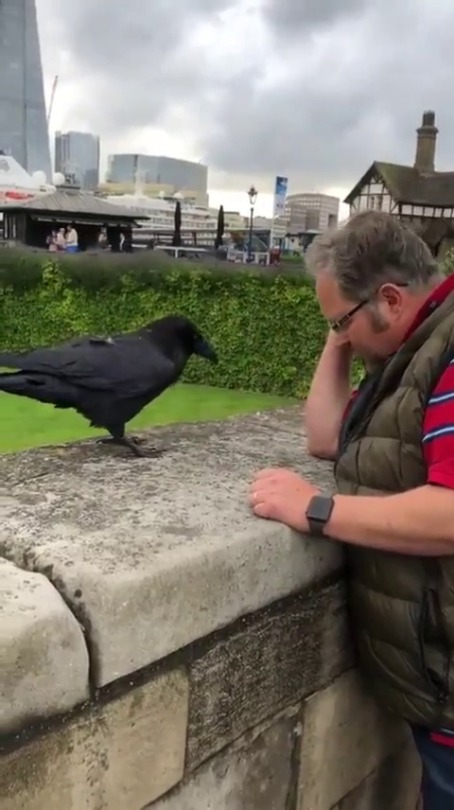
{"points": [[145, 552], [345, 737], [393, 786], [44, 659], [118, 756], [265, 662], [254, 774]]}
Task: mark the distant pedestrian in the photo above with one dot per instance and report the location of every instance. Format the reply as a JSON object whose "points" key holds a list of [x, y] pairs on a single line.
{"points": [[60, 239], [51, 242], [72, 239]]}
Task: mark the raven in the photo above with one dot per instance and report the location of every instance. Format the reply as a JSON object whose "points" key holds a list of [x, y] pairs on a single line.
{"points": [[108, 380]]}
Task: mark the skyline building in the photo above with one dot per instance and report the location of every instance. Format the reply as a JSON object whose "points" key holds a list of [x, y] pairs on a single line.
{"points": [[306, 211], [23, 117], [143, 170], [77, 155]]}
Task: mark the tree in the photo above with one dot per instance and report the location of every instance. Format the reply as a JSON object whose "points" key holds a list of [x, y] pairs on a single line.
{"points": [[176, 241], [220, 228]]}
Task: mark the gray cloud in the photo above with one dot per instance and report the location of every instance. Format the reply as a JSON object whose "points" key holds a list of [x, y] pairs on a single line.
{"points": [[333, 86], [133, 57], [328, 117], [293, 18]]}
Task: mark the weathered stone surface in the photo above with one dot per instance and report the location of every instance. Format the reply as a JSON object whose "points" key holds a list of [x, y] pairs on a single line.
{"points": [[119, 756], [393, 786], [268, 661], [152, 554], [255, 774], [43, 656], [345, 737]]}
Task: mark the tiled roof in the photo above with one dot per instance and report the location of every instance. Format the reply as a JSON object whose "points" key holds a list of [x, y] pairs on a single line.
{"points": [[408, 185]]}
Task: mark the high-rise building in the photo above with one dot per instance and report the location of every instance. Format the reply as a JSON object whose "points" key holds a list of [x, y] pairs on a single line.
{"points": [[77, 156], [310, 212], [180, 175], [23, 119]]}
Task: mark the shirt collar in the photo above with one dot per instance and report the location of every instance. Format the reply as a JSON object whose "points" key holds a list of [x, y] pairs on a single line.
{"points": [[431, 304]]}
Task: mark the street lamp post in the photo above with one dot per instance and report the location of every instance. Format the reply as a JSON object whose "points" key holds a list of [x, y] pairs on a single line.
{"points": [[252, 194]]}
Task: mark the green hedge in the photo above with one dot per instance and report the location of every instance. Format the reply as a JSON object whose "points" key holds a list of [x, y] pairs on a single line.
{"points": [[265, 324]]}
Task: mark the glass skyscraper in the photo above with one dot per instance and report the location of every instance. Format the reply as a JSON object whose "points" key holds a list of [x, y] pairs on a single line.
{"points": [[23, 119], [77, 154], [181, 174]]}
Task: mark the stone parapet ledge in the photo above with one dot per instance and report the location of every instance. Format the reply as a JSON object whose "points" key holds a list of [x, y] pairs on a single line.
{"points": [[166, 649], [148, 555]]}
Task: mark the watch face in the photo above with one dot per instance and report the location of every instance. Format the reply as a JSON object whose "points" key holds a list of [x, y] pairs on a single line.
{"points": [[320, 509]]}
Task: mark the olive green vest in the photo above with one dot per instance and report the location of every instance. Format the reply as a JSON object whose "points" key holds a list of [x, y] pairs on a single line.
{"points": [[402, 606]]}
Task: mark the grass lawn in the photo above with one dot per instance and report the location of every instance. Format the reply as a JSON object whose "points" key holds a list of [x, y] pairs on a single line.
{"points": [[25, 424]]}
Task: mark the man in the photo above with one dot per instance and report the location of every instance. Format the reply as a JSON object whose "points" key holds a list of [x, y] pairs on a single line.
{"points": [[72, 239], [392, 441]]}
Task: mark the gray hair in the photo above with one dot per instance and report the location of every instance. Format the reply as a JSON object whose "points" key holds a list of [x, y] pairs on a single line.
{"points": [[371, 249]]}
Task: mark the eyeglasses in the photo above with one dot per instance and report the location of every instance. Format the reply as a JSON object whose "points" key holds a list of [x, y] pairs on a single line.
{"points": [[336, 326]]}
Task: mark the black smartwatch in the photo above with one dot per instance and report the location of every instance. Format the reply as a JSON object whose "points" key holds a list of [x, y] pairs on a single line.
{"points": [[318, 513]]}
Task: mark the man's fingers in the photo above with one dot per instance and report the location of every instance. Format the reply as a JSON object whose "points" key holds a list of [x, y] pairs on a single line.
{"points": [[262, 509], [257, 495]]}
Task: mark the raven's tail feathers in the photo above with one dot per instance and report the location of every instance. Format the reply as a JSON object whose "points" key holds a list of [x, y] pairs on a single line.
{"points": [[38, 387]]}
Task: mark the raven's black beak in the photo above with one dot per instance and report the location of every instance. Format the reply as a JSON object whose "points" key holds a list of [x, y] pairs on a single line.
{"points": [[205, 349]]}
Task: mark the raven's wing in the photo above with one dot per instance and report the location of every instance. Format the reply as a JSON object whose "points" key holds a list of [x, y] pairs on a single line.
{"points": [[128, 365]]}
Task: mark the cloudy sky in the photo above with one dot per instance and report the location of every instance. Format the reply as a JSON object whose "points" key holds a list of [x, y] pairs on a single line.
{"points": [[312, 89]]}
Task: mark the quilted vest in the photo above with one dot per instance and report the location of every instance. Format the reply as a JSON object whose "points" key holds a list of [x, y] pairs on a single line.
{"points": [[402, 606]]}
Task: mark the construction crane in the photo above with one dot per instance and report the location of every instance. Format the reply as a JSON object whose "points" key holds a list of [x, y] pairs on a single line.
{"points": [[52, 96]]}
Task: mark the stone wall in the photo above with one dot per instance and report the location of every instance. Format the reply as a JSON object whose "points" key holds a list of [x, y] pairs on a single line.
{"points": [[161, 648]]}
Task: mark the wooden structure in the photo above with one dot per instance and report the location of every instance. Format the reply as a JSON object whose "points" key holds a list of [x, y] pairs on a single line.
{"points": [[31, 222], [417, 194]]}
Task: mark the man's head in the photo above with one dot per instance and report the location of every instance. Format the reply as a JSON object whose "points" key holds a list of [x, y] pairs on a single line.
{"points": [[372, 276]]}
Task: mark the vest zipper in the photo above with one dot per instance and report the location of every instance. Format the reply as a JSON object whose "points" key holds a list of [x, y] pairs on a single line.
{"points": [[431, 607]]}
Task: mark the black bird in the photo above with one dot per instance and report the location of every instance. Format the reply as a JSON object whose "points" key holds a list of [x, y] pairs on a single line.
{"points": [[108, 380]]}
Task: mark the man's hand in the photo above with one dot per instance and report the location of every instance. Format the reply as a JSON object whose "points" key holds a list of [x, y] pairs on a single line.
{"points": [[328, 397], [282, 495]]}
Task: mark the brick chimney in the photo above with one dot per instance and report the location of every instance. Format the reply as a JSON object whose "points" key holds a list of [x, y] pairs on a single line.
{"points": [[426, 143]]}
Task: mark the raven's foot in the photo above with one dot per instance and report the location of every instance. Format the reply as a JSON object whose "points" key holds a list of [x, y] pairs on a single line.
{"points": [[132, 443], [137, 439], [150, 452], [110, 440], [135, 449]]}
